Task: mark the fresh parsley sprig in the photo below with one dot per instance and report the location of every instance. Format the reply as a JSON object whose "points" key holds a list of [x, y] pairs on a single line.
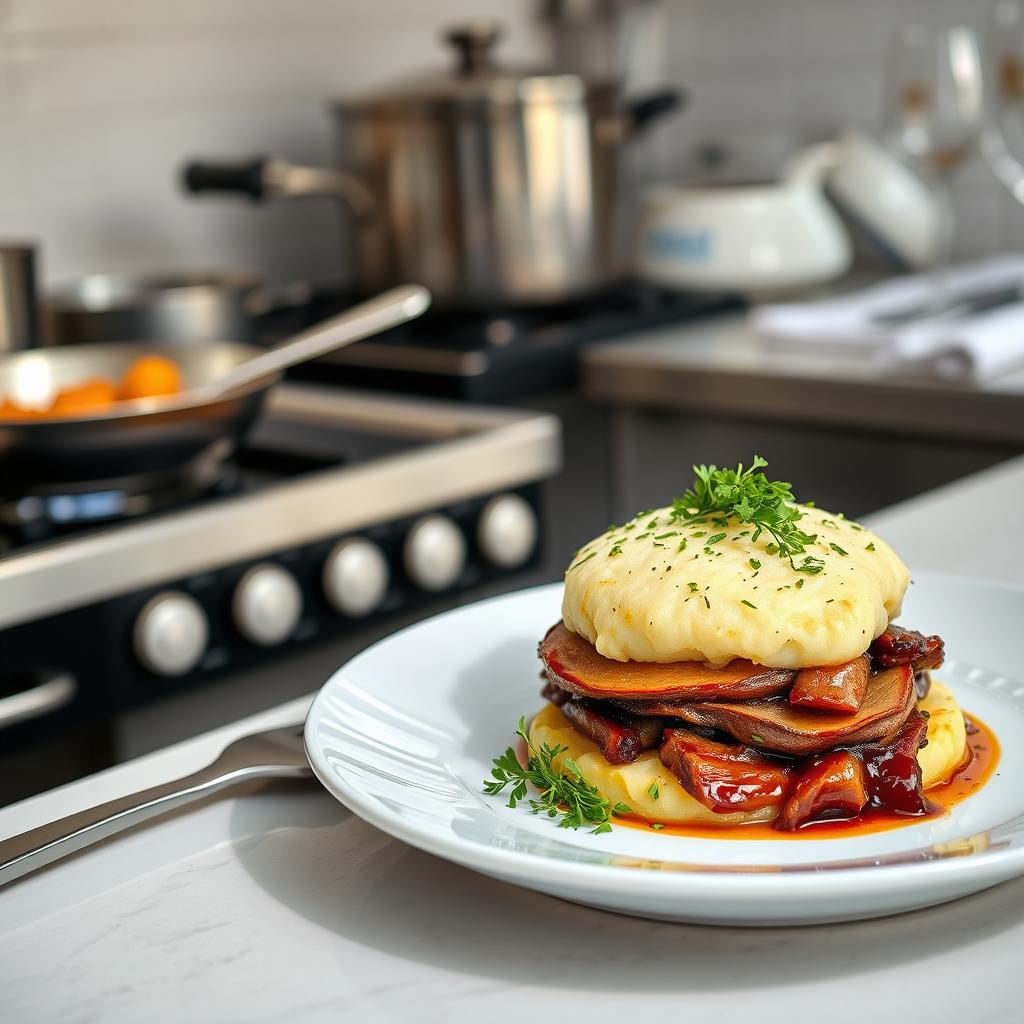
{"points": [[750, 497], [563, 792]]}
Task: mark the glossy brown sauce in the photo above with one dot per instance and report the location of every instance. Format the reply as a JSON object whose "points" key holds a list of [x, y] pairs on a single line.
{"points": [[980, 762]]}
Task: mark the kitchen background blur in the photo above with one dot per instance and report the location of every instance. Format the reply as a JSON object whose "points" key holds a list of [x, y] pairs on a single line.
{"points": [[471, 452]]}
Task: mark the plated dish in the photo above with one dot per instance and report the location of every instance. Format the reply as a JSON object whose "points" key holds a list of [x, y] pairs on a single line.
{"points": [[405, 733], [733, 660]]}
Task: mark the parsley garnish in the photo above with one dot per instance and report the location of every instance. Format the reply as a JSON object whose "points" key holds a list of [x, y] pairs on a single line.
{"points": [[717, 537], [837, 549], [870, 547], [671, 533], [581, 561], [616, 550], [563, 792], [693, 587], [657, 826], [748, 604], [652, 791], [755, 564], [750, 497]]}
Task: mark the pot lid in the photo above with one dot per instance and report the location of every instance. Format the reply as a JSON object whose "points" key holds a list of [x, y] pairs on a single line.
{"points": [[476, 79]]}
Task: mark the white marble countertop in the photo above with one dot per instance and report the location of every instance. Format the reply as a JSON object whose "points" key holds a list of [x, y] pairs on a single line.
{"points": [[279, 905]]}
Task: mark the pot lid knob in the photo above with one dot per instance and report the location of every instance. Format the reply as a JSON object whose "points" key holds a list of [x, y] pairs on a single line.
{"points": [[474, 42]]}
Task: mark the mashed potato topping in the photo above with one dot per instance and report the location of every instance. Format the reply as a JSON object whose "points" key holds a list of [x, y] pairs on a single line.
{"points": [[662, 589]]}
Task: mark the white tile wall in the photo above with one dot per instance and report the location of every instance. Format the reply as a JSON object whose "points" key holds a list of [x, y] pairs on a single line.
{"points": [[100, 100]]}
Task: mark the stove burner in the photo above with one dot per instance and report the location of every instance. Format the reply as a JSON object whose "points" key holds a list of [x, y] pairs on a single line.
{"points": [[54, 509], [487, 355]]}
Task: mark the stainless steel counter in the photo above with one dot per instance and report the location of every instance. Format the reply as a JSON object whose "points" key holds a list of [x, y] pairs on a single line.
{"points": [[718, 366]]}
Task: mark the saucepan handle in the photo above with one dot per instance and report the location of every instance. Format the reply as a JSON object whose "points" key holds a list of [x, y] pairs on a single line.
{"points": [[636, 114], [246, 177], [274, 178]]}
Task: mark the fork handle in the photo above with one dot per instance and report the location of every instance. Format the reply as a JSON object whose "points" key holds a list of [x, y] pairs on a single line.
{"points": [[40, 846]]}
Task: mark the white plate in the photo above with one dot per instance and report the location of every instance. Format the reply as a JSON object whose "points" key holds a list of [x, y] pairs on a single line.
{"points": [[404, 735]]}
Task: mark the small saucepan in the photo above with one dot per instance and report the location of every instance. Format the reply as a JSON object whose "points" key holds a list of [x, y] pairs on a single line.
{"points": [[185, 307], [225, 384]]}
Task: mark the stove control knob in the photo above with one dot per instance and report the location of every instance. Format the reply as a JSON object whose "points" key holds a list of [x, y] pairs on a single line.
{"points": [[507, 531], [170, 634], [356, 577], [267, 604], [435, 552]]}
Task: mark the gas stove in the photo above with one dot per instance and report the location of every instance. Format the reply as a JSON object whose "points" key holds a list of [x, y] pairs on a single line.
{"points": [[342, 508], [487, 355]]}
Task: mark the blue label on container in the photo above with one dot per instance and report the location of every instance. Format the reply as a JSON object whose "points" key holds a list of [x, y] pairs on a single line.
{"points": [[680, 246]]}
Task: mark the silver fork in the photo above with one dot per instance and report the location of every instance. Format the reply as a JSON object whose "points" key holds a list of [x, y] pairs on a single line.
{"points": [[275, 754]]}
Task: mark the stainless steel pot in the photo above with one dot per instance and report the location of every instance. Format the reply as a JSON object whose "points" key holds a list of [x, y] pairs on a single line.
{"points": [[185, 307], [490, 186]]}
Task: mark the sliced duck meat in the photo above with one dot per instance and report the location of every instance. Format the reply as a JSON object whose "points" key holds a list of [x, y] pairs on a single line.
{"points": [[774, 724], [899, 646], [893, 772], [832, 785], [555, 694], [572, 663], [725, 777], [832, 687], [621, 737]]}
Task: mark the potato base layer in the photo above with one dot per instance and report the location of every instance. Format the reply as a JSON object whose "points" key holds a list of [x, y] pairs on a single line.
{"points": [[633, 783]]}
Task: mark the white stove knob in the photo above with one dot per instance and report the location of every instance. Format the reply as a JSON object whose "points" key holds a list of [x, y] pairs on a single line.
{"points": [[170, 634], [267, 604], [435, 552], [356, 577], [507, 531]]}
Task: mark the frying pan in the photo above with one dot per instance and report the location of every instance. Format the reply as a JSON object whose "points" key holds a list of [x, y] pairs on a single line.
{"points": [[225, 384]]}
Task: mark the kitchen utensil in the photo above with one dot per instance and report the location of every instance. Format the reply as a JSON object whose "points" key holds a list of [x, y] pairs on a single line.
{"points": [[491, 186], [409, 752], [180, 307], [748, 237], [275, 754], [899, 210], [19, 311], [225, 384]]}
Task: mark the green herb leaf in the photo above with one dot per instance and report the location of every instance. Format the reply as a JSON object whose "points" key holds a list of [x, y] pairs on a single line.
{"points": [[580, 562], [837, 549], [870, 547], [657, 826], [693, 587], [564, 792], [748, 604], [755, 564], [717, 537], [616, 550], [652, 791], [747, 495]]}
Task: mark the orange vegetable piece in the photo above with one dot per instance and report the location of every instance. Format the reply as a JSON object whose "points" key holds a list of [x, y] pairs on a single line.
{"points": [[150, 376], [94, 395]]}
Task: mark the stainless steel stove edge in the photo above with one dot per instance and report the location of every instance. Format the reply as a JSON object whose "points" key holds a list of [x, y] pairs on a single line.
{"points": [[478, 450]]}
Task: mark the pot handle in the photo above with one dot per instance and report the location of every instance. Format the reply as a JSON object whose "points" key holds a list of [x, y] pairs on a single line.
{"points": [[273, 178], [637, 114]]}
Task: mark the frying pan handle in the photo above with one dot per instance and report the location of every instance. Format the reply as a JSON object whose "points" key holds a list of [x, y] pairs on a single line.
{"points": [[247, 177]]}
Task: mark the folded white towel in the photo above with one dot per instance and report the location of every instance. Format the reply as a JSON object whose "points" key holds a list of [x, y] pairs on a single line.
{"points": [[949, 343]]}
